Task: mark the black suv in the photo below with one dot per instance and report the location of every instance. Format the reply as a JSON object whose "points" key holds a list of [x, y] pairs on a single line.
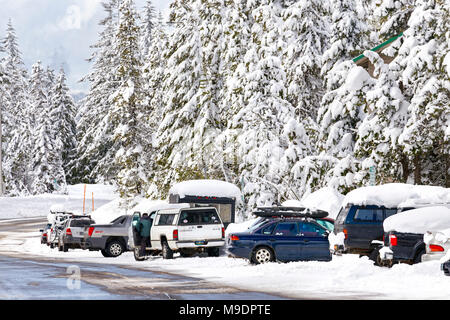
{"points": [[361, 225]]}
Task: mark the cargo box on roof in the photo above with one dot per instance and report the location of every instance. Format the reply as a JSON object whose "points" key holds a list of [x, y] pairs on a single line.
{"points": [[219, 194]]}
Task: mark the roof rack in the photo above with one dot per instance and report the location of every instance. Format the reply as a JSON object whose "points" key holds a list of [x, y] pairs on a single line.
{"points": [[289, 212]]}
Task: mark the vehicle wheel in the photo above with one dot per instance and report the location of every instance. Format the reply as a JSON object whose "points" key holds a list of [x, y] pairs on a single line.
{"points": [[419, 255], [167, 253], [114, 248], [213, 252], [262, 255], [375, 257], [104, 253], [137, 255], [186, 253]]}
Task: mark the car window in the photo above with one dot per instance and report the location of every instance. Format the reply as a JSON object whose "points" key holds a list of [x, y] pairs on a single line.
{"points": [[119, 220], [326, 224], [199, 217], [81, 223], [166, 219], [342, 215], [310, 230], [390, 212], [268, 229], [286, 229], [378, 214], [363, 214]]}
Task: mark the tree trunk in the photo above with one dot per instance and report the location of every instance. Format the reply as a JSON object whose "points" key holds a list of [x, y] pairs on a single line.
{"points": [[405, 168], [417, 170]]}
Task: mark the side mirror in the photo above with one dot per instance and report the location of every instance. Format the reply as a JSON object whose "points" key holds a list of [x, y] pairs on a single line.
{"points": [[41, 230]]}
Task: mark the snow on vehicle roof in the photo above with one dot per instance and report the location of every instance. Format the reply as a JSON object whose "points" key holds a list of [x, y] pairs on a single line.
{"points": [[148, 205], [434, 218], [395, 195], [206, 188], [326, 199]]}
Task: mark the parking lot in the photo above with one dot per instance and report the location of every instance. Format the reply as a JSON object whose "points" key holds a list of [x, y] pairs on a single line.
{"points": [[345, 277]]}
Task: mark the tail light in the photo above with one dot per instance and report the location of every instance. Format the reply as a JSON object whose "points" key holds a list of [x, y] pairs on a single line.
{"points": [[68, 232], [175, 234], [393, 240], [234, 238], [345, 233], [44, 235], [91, 231], [223, 232], [436, 248]]}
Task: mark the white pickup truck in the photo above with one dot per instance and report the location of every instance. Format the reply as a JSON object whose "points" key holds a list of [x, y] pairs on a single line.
{"points": [[186, 230]]}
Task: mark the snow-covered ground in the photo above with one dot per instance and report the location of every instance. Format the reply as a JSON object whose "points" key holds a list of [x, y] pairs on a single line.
{"points": [[33, 206], [345, 277]]}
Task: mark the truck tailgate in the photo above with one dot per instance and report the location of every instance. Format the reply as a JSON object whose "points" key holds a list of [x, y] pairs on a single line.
{"points": [[200, 232]]}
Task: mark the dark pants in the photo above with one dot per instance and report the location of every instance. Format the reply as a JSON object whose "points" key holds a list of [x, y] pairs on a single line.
{"points": [[145, 242]]}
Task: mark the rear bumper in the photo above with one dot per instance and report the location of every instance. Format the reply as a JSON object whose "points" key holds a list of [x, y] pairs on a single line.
{"points": [[239, 252], [432, 256], [192, 244]]}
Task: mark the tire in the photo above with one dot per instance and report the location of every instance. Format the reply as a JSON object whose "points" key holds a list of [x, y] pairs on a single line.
{"points": [[418, 257], [114, 248], [213, 252], [167, 253], [262, 255], [104, 253], [137, 256]]}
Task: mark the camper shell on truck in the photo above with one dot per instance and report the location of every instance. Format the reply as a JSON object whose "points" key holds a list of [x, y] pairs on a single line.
{"points": [[223, 196]]}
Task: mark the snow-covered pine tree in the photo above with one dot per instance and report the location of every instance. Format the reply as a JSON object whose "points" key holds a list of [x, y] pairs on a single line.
{"points": [[148, 24], [348, 38], [236, 33], [94, 131], [16, 86], [306, 33], [422, 65], [265, 111], [377, 141], [64, 110], [153, 74], [46, 163], [188, 126], [128, 115], [391, 16]]}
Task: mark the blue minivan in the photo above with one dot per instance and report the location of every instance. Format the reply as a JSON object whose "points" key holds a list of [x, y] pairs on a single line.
{"points": [[281, 239]]}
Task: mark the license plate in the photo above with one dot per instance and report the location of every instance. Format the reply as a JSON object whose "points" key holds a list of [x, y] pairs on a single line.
{"points": [[199, 243]]}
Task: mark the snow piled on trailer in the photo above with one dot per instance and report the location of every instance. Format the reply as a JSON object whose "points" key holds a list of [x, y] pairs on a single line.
{"points": [[206, 188], [398, 195], [434, 218]]}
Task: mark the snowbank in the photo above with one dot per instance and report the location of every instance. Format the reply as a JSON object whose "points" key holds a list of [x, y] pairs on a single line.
{"points": [[420, 220], [397, 195], [40, 205], [206, 188]]}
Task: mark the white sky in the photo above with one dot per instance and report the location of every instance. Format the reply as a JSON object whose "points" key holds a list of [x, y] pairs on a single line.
{"points": [[59, 32]]}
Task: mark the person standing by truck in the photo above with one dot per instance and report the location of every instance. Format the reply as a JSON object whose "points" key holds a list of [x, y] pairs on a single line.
{"points": [[143, 227]]}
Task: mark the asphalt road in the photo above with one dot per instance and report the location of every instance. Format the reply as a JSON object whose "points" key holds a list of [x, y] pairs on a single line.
{"points": [[32, 278]]}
